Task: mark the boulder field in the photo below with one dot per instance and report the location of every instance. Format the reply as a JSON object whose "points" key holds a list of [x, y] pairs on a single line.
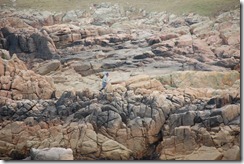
{"points": [[173, 94]]}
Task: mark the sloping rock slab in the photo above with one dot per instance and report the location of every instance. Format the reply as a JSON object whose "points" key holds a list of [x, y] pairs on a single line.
{"points": [[205, 153]]}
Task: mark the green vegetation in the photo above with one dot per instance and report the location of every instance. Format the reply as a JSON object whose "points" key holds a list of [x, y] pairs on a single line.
{"points": [[202, 7]]}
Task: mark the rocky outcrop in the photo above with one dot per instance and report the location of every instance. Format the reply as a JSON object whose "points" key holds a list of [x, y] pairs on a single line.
{"points": [[81, 138], [200, 79], [205, 153], [173, 94], [125, 124], [17, 82], [30, 41], [192, 41]]}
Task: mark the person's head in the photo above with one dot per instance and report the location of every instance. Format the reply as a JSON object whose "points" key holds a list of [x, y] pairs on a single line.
{"points": [[107, 74]]}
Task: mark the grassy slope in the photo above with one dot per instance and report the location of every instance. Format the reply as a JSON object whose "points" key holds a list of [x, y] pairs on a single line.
{"points": [[202, 7]]}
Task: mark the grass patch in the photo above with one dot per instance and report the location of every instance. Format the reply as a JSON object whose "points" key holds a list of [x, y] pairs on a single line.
{"points": [[202, 7]]}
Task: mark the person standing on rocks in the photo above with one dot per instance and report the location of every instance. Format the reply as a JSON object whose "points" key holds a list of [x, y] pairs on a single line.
{"points": [[104, 81]]}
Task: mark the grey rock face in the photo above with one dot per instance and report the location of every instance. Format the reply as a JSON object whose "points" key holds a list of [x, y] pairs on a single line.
{"points": [[50, 154]]}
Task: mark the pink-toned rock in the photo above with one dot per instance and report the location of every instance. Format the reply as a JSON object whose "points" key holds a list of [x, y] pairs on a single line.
{"points": [[200, 79], [6, 94], [119, 88], [115, 151], [201, 27], [137, 78], [47, 67], [76, 37], [185, 139], [67, 38], [223, 137], [150, 84], [201, 47], [222, 51], [153, 40], [230, 37], [232, 154], [205, 153], [181, 143], [184, 40], [57, 28], [15, 63], [13, 22], [230, 112], [214, 39], [168, 36], [143, 91], [1, 67], [23, 83]]}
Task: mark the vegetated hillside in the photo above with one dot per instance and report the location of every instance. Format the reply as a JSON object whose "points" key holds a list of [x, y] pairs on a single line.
{"points": [[202, 7]]}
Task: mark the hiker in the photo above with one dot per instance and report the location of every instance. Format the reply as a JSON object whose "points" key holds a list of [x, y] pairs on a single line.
{"points": [[104, 81]]}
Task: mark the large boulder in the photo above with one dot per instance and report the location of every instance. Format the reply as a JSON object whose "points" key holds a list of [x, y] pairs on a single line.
{"points": [[47, 67], [233, 153], [205, 153], [182, 142], [48, 154]]}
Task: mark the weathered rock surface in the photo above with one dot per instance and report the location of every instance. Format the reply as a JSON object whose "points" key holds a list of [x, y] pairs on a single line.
{"points": [[17, 82], [51, 154], [173, 94], [132, 122], [205, 153]]}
